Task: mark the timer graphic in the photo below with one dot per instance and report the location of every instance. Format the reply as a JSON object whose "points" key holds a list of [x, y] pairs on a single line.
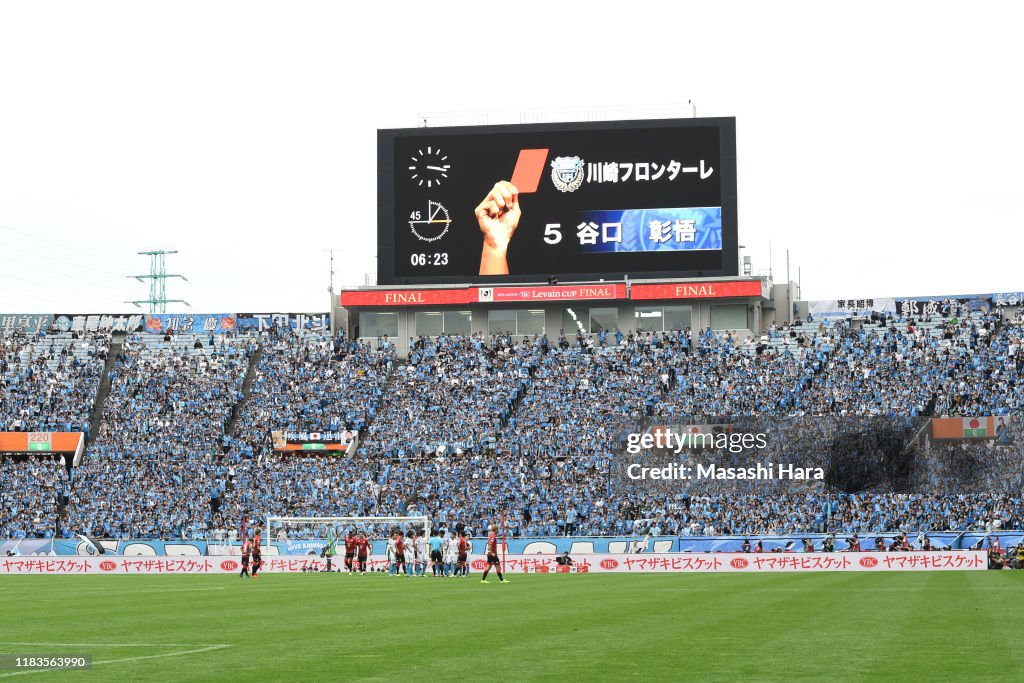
{"points": [[431, 225], [429, 168]]}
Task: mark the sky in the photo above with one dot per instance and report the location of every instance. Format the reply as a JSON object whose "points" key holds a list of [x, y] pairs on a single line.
{"points": [[879, 143]]}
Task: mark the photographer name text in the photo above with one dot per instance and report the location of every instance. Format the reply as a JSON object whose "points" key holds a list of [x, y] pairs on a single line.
{"points": [[761, 471]]}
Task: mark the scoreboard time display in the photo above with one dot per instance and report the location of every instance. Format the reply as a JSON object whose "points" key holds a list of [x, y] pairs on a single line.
{"points": [[577, 201]]}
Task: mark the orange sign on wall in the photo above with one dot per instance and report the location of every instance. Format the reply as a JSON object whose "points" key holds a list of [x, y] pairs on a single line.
{"points": [[968, 427], [40, 442]]}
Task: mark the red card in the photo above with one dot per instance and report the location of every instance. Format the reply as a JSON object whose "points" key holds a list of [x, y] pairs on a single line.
{"points": [[529, 167]]}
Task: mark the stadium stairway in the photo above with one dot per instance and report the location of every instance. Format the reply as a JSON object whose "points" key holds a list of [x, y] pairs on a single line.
{"points": [[517, 400], [116, 342], [364, 430], [250, 375], [388, 382]]}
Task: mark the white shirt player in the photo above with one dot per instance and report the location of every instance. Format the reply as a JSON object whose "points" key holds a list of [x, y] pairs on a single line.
{"points": [[391, 549], [421, 549], [410, 550], [451, 550]]}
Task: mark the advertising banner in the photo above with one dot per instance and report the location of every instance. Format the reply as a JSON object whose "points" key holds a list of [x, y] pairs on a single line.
{"points": [[913, 306], [191, 323], [70, 322], [293, 321], [85, 546], [552, 293], [1002, 299], [24, 323], [927, 307], [407, 297], [306, 442], [767, 562], [526, 546], [698, 290], [848, 308], [705, 563], [40, 442]]}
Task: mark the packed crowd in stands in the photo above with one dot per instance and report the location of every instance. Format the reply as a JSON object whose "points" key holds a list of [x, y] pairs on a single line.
{"points": [[452, 396], [883, 369], [469, 427], [152, 471], [30, 492], [310, 382], [49, 383]]}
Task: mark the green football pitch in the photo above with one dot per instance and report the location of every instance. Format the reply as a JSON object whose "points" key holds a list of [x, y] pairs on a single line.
{"points": [[319, 627]]}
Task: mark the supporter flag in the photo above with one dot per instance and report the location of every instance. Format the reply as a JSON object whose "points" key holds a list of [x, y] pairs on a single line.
{"points": [[966, 427], [279, 439], [94, 545], [977, 427], [331, 541]]}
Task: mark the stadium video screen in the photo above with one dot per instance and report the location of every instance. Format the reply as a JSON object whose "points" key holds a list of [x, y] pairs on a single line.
{"points": [[575, 201]]}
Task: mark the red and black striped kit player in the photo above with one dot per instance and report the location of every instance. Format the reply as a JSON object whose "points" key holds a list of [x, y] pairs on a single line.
{"points": [[246, 551], [350, 550], [362, 551], [257, 557], [461, 564], [492, 556], [400, 554]]}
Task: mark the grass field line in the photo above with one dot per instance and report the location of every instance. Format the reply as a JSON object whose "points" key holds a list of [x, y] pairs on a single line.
{"points": [[161, 590], [757, 589], [148, 590], [292, 587], [707, 589], [52, 644], [119, 660]]}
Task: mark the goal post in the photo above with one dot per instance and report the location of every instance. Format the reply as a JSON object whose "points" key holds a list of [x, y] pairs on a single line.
{"points": [[322, 528]]}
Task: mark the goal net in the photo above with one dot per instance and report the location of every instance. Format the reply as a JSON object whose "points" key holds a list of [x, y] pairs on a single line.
{"points": [[326, 528]]}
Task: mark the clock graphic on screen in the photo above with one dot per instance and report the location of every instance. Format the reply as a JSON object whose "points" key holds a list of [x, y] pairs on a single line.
{"points": [[429, 167], [432, 224]]}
